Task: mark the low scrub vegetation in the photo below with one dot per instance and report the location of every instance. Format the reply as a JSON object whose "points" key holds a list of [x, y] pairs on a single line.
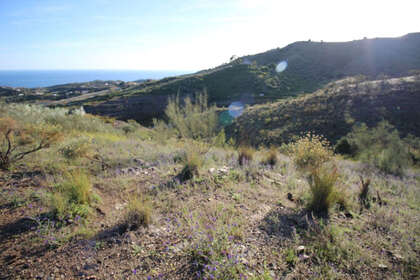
{"points": [[270, 158], [193, 119], [139, 213], [165, 206], [192, 164], [76, 148], [324, 191], [72, 196], [20, 139], [380, 146], [310, 152], [245, 156]]}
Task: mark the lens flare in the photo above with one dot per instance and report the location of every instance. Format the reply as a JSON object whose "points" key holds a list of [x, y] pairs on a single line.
{"points": [[281, 66], [235, 109]]}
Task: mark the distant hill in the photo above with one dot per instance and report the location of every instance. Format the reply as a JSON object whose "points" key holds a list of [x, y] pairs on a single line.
{"points": [[63, 94], [253, 79], [332, 111]]}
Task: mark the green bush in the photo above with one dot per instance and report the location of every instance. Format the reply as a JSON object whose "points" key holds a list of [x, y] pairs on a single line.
{"points": [[380, 146], [76, 148], [220, 139], [194, 120], [72, 196], [413, 144], [68, 121], [343, 147], [131, 126]]}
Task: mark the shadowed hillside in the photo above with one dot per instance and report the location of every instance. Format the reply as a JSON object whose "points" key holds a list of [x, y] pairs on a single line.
{"points": [[333, 110]]}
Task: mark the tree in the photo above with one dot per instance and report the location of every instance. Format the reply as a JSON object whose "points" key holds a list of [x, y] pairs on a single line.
{"points": [[19, 140]]}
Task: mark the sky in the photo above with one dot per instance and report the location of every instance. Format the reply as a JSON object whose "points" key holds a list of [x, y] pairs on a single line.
{"points": [[182, 34]]}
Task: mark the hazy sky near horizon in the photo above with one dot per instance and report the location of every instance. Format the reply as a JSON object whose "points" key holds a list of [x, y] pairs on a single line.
{"points": [[182, 35]]}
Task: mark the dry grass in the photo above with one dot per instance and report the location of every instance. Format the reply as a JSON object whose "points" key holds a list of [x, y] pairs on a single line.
{"points": [[235, 219], [139, 213], [246, 154], [324, 193]]}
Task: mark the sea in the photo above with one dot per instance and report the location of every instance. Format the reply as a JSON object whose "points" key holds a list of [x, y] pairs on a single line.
{"points": [[45, 78]]}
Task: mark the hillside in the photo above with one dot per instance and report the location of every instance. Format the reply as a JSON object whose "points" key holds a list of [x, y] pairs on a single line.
{"points": [[333, 110], [63, 94], [251, 79], [254, 79], [107, 199]]}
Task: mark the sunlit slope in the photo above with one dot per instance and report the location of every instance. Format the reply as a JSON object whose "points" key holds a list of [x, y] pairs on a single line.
{"points": [[254, 79]]}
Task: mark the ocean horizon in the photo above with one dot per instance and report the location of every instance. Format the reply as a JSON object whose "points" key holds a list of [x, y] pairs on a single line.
{"points": [[45, 78]]}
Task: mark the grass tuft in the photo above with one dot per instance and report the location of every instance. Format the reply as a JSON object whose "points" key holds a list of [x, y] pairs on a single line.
{"points": [[73, 196], [246, 155], [193, 163], [324, 195], [139, 214], [271, 157]]}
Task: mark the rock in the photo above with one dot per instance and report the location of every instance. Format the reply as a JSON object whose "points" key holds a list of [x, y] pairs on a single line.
{"points": [[300, 249], [398, 257], [139, 162], [212, 170], [131, 238], [304, 257], [382, 266], [223, 170], [119, 206]]}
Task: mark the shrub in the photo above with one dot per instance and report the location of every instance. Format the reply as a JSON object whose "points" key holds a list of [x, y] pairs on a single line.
{"points": [[380, 146], [76, 148], [220, 139], [193, 119], [131, 126], [162, 131], [72, 196], [413, 144], [310, 152], [139, 214], [322, 185], [271, 157], [246, 155], [343, 147], [20, 140], [364, 192], [193, 162]]}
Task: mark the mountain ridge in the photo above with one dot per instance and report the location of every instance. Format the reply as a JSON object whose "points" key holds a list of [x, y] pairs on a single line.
{"points": [[253, 79]]}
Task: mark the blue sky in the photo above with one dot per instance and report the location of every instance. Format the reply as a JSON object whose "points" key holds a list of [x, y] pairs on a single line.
{"points": [[181, 35]]}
